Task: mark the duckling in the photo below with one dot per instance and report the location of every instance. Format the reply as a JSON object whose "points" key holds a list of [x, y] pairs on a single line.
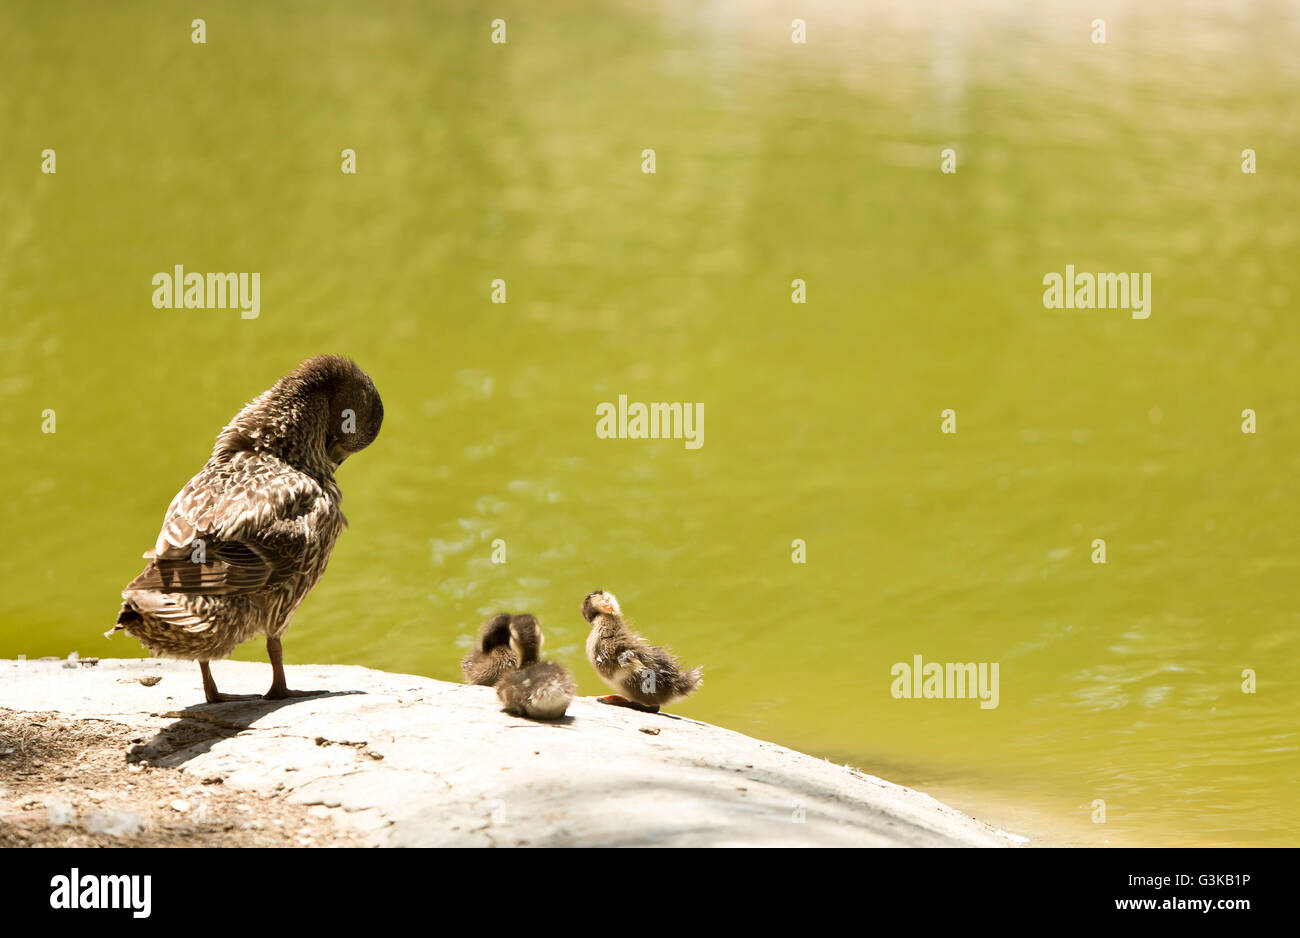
{"points": [[539, 689], [492, 655], [249, 536], [647, 674]]}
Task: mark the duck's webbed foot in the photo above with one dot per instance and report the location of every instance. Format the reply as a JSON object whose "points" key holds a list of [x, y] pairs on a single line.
{"points": [[618, 700], [284, 693], [221, 697], [279, 686], [213, 695]]}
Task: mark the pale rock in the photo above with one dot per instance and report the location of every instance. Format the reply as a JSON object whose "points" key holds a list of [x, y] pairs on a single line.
{"points": [[457, 771]]}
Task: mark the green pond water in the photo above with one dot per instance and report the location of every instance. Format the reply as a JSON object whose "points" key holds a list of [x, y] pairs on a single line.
{"points": [[775, 161]]}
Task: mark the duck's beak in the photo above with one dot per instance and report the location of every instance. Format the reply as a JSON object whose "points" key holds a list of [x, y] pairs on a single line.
{"points": [[337, 454]]}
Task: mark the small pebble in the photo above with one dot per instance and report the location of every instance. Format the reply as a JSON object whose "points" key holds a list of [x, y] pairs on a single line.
{"points": [[181, 806]]}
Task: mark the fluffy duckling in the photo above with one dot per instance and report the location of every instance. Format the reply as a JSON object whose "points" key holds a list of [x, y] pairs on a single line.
{"points": [[650, 676], [539, 689], [246, 539], [492, 656]]}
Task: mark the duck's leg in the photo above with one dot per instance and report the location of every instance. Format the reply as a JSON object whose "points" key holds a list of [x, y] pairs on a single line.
{"points": [[618, 700], [210, 688], [279, 689]]}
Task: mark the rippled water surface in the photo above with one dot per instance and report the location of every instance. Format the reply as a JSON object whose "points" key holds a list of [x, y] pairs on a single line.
{"points": [[775, 161]]}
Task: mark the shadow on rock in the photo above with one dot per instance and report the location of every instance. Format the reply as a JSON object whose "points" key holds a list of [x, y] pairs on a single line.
{"points": [[566, 720], [199, 727]]}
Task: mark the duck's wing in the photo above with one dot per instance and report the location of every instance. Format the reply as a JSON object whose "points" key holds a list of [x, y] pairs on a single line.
{"points": [[236, 530], [661, 659]]}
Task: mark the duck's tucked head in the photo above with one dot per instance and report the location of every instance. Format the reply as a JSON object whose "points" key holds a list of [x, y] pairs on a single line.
{"points": [[495, 632], [525, 639], [318, 415], [600, 603], [355, 410]]}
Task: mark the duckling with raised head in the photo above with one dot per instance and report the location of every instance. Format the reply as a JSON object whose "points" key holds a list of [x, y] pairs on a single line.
{"points": [[492, 655], [646, 676], [538, 689]]}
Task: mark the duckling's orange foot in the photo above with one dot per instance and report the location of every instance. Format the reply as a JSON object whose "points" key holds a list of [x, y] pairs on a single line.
{"points": [[618, 700], [283, 693]]}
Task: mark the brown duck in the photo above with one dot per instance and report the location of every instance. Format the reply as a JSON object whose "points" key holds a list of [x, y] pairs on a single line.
{"points": [[492, 655], [646, 677], [538, 689], [246, 539]]}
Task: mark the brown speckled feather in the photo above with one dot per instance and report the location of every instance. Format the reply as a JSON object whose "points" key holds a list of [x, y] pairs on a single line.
{"points": [[542, 691], [248, 537]]}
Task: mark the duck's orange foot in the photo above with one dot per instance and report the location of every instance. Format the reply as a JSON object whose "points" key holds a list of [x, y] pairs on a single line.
{"points": [[618, 700], [283, 693], [210, 691], [220, 697]]}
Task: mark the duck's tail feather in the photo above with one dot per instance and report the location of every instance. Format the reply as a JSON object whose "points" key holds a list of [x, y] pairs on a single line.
{"points": [[126, 617]]}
